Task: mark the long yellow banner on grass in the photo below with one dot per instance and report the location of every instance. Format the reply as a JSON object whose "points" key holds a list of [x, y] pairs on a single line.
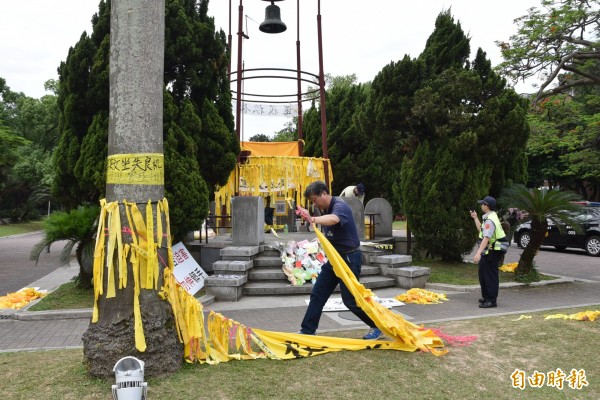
{"points": [[228, 339], [393, 325]]}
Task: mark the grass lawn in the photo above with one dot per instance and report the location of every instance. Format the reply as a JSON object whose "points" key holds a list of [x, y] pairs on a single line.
{"points": [[25, 227], [461, 273], [480, 371], [66, 296]]}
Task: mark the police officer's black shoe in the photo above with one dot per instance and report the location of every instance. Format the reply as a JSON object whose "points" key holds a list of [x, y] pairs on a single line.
{"points": [[481, 301], [487, 304]]}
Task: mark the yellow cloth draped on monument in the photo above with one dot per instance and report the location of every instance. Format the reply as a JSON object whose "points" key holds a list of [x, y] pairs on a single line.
{"points": [[275, 176], [272, 148], [225, 339]]}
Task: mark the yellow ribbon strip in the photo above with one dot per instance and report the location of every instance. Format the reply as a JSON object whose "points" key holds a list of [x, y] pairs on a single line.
{"points": [[421, 296], [580, 316], [141, 252]]}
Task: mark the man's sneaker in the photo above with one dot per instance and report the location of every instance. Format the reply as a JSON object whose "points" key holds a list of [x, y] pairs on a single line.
{"points": [[303, 333], [373, 334]]}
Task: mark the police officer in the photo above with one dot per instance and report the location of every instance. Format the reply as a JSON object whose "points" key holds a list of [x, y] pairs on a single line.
{"points": [[489, 252]]}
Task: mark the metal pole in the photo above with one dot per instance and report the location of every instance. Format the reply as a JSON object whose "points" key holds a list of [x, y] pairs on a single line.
{"points": [[229, 44], [300, 136], [238, 101], [322, 97]]}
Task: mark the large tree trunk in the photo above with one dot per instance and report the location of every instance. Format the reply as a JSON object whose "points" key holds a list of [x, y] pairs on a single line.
{"points": [[538, 233], [135, 130]]}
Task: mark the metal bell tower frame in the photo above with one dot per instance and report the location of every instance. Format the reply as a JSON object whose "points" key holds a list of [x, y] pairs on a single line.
{"points": [[300, 76]]}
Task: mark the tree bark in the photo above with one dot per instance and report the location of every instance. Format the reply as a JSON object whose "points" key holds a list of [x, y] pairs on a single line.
{"points": [[538, 233], [135, 131]]}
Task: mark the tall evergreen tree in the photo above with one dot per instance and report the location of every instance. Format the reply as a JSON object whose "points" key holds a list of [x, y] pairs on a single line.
{"points": [[311, 129], [470, 132], [384, 120]]}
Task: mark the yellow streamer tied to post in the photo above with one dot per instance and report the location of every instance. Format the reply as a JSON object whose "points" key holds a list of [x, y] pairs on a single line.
{"points": [[141, 253]]}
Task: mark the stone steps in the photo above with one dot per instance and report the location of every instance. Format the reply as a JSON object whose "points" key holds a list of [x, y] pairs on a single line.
{"points": [[277, 274], [265, 288], [267, 274], [267, 261], [256, 271]]}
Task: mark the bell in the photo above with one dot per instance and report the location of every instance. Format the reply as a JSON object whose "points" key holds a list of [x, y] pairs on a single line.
{"points": [[272, 23]]}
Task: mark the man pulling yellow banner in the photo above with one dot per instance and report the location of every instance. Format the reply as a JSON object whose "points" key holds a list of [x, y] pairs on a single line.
{"points": [[228, 339], [223, 339]]}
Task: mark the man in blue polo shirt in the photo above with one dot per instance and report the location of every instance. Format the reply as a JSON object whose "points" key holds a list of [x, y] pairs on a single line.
{"points": [[339, 228]]}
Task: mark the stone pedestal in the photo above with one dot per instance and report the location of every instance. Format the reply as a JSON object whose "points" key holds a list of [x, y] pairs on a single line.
{"points": [[248, 215], [410, 277], [225, 287], [224, 267], [390, 261]]}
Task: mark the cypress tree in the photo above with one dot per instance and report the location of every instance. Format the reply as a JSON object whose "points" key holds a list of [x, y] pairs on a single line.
{"points": [[470, 130]]}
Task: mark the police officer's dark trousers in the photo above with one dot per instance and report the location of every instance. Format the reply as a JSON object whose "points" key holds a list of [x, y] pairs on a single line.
{"points": [[489, 279]]}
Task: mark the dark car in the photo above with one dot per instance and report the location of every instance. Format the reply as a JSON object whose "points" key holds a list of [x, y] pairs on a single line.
{"points": [[562, 235]]}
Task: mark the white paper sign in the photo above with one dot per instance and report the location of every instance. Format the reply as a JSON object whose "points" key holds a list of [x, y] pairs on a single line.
{"points": [[336, 304], [188, 273]]}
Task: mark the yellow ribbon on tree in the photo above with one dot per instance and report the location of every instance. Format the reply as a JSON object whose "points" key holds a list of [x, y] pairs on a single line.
{"points": [[142, 254]]}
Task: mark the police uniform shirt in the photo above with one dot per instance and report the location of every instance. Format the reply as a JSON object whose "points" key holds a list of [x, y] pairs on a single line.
{"points": [[488, 227]]}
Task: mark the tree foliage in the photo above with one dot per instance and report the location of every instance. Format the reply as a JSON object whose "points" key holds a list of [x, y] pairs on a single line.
{"points": [[437, 210], [28, 132], [564, 147], [440, 129], [558, 43], [200, 147], [259, 137], [346, 144], [77, 228], [289, 133]]}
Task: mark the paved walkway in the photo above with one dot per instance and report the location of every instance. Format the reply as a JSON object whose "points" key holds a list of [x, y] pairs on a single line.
{"points": [[25, 330], [16, 270]]}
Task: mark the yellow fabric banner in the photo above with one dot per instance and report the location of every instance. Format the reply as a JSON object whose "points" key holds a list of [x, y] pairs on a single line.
{"points": [[135, 169], [393, 325], [272, 176], [227, 339], [272, 148]]}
